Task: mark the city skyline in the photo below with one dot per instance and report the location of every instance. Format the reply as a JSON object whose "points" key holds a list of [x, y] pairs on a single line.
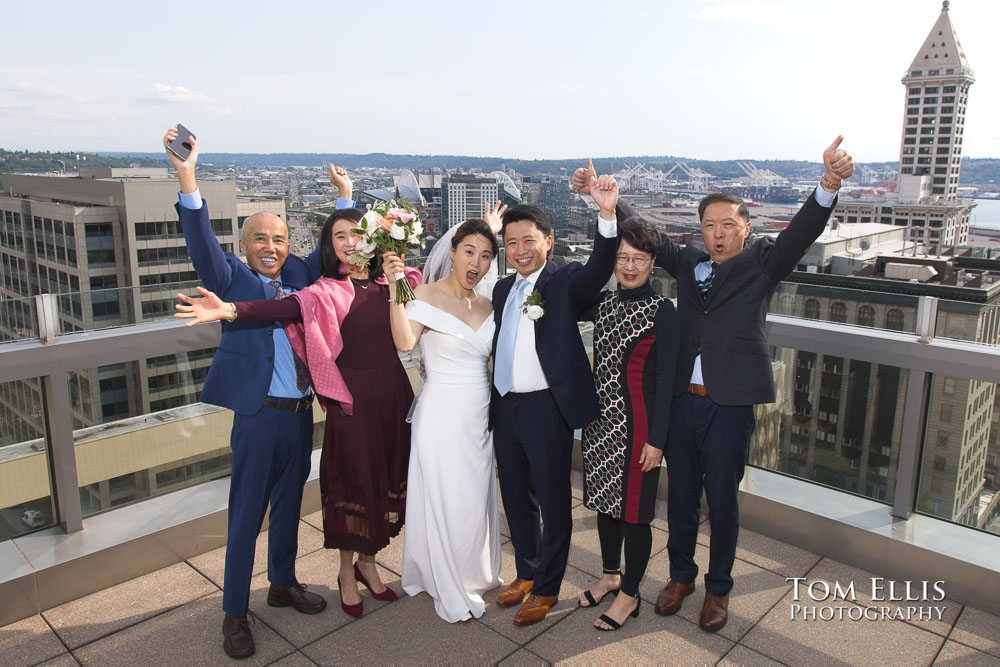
{"points": [[396, 78]]}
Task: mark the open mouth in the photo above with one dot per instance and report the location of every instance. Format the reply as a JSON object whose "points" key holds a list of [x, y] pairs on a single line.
{"points": [[268, 261], [630, 277], [471, 277]]}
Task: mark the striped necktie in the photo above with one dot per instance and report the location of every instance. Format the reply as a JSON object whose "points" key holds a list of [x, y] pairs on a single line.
{"points": [[302, 377], [705, 284]]}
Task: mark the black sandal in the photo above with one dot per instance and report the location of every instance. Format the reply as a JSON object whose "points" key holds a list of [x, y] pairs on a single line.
{"points": [[615, 624], [589, 597]]}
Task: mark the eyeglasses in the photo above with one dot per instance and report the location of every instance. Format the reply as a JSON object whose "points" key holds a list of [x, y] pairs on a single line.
{"points": [[637, 262]]}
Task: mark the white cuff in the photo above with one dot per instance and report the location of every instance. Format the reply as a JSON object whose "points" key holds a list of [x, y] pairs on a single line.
{"points": [[607, 228]]}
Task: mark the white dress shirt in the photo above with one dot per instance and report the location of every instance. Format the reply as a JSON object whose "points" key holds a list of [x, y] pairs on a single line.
{"points": [[528, 374]]}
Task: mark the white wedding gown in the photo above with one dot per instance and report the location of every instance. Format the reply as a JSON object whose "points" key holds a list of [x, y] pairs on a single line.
{"points": [[451, 549]]}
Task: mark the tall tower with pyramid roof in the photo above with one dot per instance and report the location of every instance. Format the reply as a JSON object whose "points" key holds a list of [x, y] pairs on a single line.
{"points": [[937, 89]]}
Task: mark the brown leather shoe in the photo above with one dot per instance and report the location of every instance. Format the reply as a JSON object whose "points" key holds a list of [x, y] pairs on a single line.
{"points": [[672, 597], [297, 596], [514, 593], [714, 613], [535, 608], [237, 642]]}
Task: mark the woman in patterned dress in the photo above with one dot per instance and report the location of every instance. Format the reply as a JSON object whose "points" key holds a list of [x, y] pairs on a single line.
{"points": [[635, 355]]}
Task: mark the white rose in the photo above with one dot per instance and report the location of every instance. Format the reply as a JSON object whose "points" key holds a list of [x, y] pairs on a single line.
{"points": [[413, 240], [366, 248], [397, 232], [535, 312], [417, 227], [371, 218]]}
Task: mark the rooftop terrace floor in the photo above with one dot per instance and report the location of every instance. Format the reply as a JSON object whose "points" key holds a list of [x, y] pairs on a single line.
{"points": [[174, 616]]}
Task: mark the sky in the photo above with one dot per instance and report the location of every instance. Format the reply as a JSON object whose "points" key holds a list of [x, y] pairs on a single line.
{"points": [[534, 79]]}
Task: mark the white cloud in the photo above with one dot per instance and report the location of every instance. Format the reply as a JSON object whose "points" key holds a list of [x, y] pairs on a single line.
{"points": [[752, 13], [164, 93]]}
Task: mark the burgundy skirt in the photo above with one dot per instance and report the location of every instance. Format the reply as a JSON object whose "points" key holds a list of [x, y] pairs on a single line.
{"points": [[364, 461]]}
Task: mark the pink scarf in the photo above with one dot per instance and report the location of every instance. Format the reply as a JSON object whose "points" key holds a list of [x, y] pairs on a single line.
{"points": [[317, 340]]}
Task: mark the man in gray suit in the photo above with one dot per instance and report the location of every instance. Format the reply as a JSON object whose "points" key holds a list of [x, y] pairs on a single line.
{"points": [[723, 369]]}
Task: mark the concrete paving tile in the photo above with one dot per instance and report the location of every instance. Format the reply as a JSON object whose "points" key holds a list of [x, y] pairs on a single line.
{"points": [[296, 659], [576, 484], [188, 635], [29, 642], [65, 660], [766, 552], [741, 655], [585, 547], [212, 563], [522, 657], [648, 638], [501, 619], [301, 629], [409, 630], [391, 557], [959, 655], [834, 572], [978, 629], [801, 641], [99, 614], [754, 593], [315, 520]]}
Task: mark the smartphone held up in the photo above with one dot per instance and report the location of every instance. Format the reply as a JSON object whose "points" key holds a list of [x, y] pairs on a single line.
{"points": [[181, 146]]}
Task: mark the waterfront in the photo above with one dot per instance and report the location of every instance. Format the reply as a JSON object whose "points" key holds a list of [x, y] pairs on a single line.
{"points": [[986, 214]]}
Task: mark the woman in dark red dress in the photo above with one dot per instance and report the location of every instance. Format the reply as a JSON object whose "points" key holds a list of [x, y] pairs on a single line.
{"points": [[635, 357], [340, 329]]}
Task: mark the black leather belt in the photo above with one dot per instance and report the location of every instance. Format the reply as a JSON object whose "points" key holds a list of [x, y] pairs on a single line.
{"points": [[293, 404]]}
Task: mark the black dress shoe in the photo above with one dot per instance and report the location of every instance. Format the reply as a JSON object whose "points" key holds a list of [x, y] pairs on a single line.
{"points": [[237, 641], [297, 596]]}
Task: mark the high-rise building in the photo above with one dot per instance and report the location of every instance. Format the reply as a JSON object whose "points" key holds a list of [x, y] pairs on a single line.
{"points": [[464, 196], [109, 244], [930, 156]]}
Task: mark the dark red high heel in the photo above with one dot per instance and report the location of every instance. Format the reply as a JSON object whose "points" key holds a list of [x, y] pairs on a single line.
{"points": [[354, 610], [388, 595]]}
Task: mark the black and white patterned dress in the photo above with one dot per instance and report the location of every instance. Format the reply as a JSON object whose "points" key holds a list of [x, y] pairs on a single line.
{"points": [[635, 357]]}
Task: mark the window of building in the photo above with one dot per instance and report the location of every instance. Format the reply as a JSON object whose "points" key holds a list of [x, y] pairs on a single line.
{"points": [[838, 312], [939, 462], [866, 316], [949, 386], [812, 309]]}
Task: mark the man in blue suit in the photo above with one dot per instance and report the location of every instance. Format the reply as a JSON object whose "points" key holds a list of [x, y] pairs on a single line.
{"points": [[543, 389], [254, 375]]}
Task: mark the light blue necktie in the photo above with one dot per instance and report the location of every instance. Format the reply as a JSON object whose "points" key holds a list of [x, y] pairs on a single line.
{"points": [[503, 373]]}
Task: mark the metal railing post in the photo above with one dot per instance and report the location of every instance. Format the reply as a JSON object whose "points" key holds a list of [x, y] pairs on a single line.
{"points": [[59, 425], [911, 436]]}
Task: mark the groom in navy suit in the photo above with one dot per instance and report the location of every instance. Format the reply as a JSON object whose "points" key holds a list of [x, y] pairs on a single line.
{"points": [[543, 389]]}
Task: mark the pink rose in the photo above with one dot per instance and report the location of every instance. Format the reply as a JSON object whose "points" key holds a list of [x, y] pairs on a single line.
{"points": [[400, 214]]}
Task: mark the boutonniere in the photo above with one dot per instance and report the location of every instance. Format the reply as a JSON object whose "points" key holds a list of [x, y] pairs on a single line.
{"points": [[533, 306]]}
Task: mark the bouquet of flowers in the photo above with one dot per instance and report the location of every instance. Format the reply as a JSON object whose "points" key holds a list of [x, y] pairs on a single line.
{"points": [[389, 227]]}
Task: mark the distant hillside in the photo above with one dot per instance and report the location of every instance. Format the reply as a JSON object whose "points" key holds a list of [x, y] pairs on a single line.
{"points": [[974, 171]]}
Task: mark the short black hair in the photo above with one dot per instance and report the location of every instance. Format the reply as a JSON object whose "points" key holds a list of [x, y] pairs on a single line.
{"points": [[476, 226], [640, 235], [530, 213], [329, 262], [722, 197]]}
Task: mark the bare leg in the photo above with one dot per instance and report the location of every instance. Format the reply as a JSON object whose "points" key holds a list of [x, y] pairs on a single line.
{"points": [[348, 584], [366, 563]]}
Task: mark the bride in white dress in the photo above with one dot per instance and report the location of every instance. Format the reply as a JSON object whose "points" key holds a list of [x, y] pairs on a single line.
{"points": [[451, 548]]}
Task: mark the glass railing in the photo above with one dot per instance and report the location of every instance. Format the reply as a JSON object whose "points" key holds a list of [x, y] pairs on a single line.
{"points": [[25, 485], [138, 429], [861, 308], [18, 320], [835, 421]]}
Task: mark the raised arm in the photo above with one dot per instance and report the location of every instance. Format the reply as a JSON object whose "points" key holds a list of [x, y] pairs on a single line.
{"points": [[587, 283], [811, 219], [345, 199], [405, 333], [203, 247]]}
